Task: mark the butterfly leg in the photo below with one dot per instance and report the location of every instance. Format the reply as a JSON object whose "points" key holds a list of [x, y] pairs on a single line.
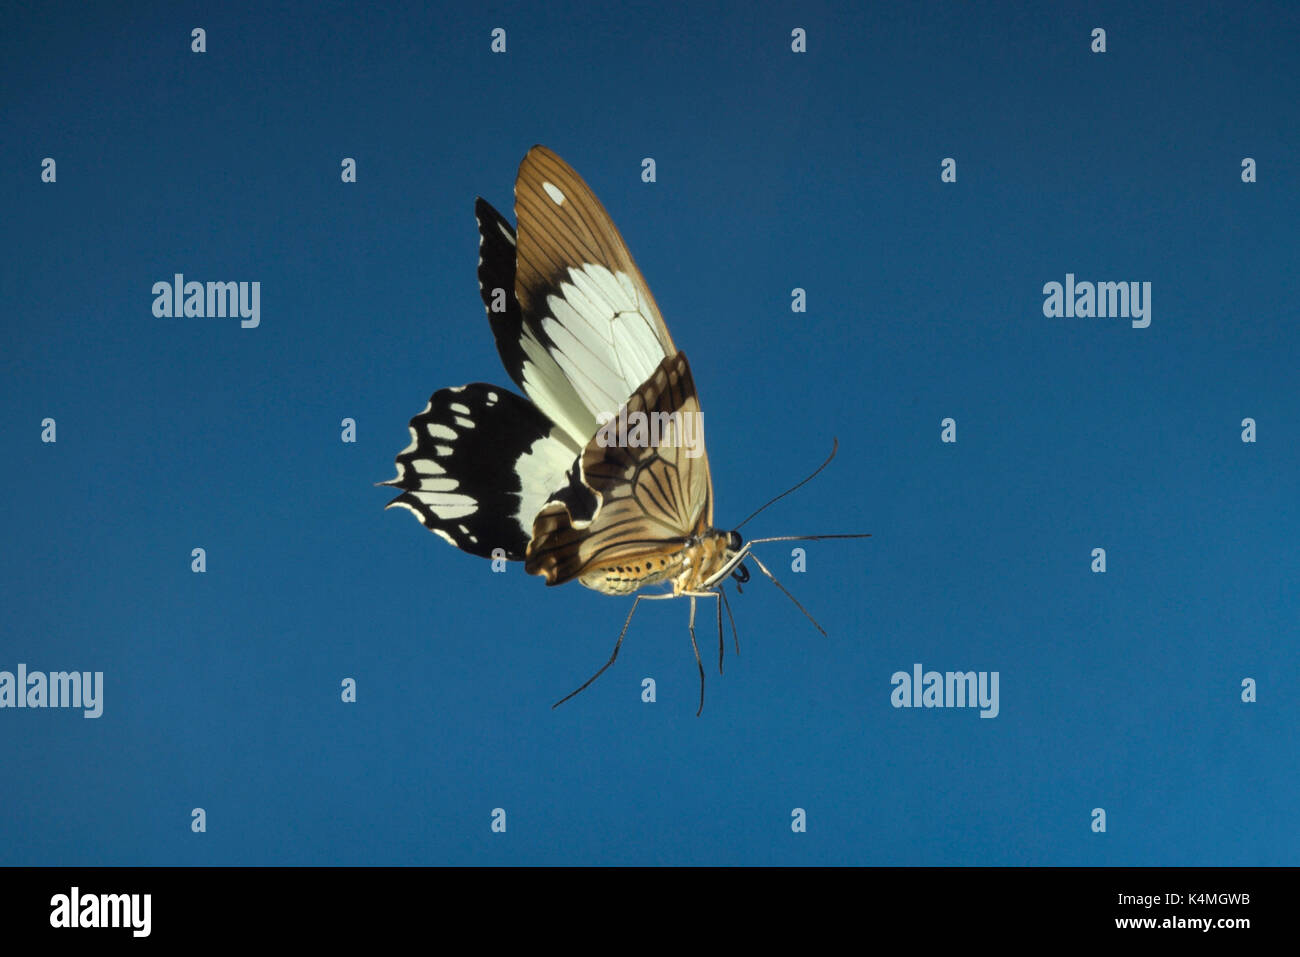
{"points": [[734, 633], [721, 645], [697, 657], [616, 647]]}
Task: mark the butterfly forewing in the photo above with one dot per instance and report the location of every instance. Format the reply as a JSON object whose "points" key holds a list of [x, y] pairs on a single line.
{"points": [[583, 302], [653, 498]]}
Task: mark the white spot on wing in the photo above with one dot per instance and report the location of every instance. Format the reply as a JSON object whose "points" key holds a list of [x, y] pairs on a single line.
{"points": [[462, 409], [446, 505], [553, 191], [439, 431], [438, 484], [464, 423]]}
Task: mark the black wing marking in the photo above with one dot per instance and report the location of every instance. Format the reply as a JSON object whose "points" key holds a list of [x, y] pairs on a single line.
{"points": [[496, 286], [482, 462]]}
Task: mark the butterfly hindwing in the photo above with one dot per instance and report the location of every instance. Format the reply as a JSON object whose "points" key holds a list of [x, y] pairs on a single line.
{"points": [[652, 498], [481, 463]]}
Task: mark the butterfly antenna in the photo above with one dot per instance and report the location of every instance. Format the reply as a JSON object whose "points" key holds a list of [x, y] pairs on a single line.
{"points": [[611, 657], [805, 538], [834, 449], [763, 569]]}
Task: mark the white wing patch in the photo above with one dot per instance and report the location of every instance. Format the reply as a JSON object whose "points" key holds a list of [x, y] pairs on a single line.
{"points": [[545, 383], [553, 191], [425, 467], [445, 505], [541, 469], [605, 345]]}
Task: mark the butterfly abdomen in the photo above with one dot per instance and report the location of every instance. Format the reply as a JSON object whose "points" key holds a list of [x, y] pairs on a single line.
{"points": [[628, 576], [689, 568]]}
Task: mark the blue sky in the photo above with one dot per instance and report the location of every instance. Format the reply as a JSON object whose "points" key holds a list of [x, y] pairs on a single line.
{"points": [[775, 170]]}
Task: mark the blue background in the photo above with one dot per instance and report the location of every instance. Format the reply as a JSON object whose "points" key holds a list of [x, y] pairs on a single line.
{"points": [[775, 170]]}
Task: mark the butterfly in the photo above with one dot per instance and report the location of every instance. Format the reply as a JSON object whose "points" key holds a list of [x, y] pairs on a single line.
{"points": [[600, 474]]}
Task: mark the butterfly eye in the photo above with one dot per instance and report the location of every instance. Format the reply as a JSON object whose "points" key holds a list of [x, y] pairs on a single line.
{"points": [[734, 541]]}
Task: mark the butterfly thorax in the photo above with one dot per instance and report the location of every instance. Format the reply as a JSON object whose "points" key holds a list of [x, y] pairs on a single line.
{"points": [[689, 567]]}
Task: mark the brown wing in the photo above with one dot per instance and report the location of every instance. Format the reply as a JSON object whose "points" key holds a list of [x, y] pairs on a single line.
{"points": [[653, 497]]}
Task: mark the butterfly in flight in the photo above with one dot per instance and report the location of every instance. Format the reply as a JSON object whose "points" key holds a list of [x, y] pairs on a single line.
{"points": [[600, 474]]}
